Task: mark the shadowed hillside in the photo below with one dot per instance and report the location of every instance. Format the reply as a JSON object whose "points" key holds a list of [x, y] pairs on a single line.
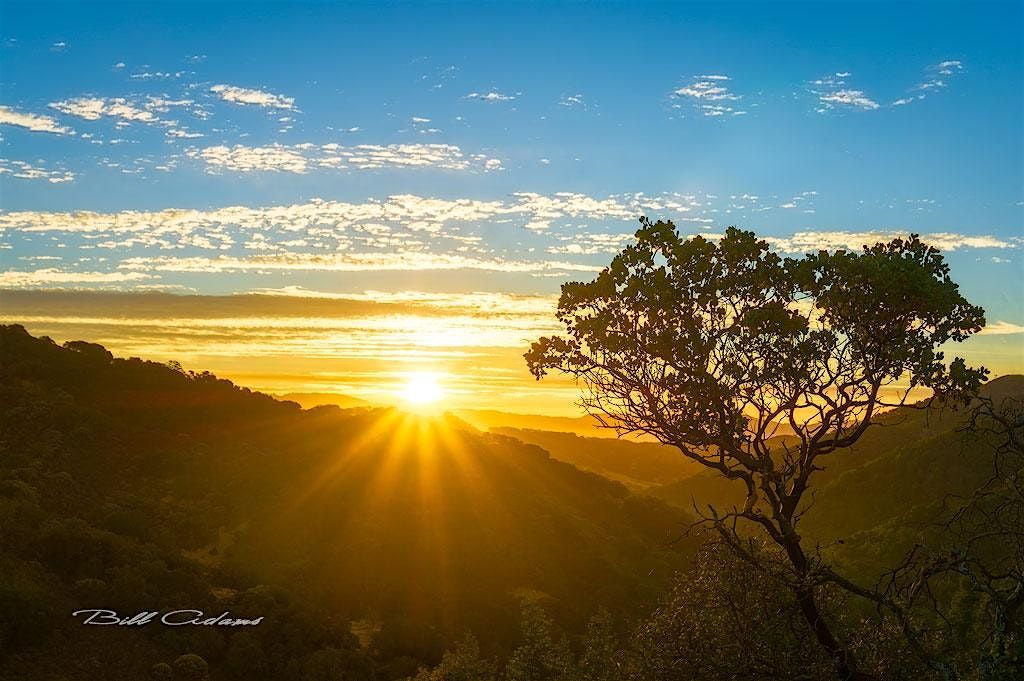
{"points": [[638, 465], [131, 485], [879, 495]]}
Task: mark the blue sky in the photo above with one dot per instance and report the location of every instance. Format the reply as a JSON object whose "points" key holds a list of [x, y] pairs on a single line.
{"points": [[230, 147]]}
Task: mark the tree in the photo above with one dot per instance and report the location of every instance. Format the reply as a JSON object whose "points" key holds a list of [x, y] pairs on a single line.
{"points": [[599, 659], [191, 667], [719, 348], [462, 664], [541, 657]]}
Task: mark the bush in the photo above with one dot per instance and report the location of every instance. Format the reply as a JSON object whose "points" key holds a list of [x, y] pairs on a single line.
{"points": [[191, 667]]}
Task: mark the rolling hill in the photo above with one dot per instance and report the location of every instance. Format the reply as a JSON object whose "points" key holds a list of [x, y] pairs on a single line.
{"points": [[131, 485], [638, 465], [879, 495]]}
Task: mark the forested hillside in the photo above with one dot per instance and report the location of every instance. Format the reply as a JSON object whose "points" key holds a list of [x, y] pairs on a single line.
{"points": [[371, 541], [132, 486], [872, 501]]}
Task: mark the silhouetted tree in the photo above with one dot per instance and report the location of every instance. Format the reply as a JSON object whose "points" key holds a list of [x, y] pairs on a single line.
{"points": [[719, 348]]}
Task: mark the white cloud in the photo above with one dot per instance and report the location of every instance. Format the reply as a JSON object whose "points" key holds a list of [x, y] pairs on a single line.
{"points": [[853, 241], [247, 96], [1002, 328], [351, 262], [27, 171], [833, 93], [710, 95], [33, 122], [540, 234], [854, 98], [591, 244], [122, 110], [936, 77], [492, 96], [302, 158], [572, 101], [180, 133], [50, 275], [248, 159], [157, 75]]}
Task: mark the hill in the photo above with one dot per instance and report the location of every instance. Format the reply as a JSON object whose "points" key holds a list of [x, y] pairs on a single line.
{"points": [[878, 496], [311, 400], [487, 419], [638, 465], [131, 485]]}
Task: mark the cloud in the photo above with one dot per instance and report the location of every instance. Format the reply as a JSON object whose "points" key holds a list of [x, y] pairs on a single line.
{"points": [[395, 223], [591, 244], [302, 158], [180, 133], [853, 241], [147, 110], [833, 93], [1002, 328], [244, 159], [246, 96], [572, 101], [492, 96], [50, 276], [95, 108], [543, 210], [157, 75], [351, 262], [33, 122], [710, 95], [854, 98], [534, 234], [936, 77], [27, 171]]}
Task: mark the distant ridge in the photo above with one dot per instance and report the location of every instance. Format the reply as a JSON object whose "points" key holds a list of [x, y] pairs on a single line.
{"points": [[490, 419], [310, 400]]}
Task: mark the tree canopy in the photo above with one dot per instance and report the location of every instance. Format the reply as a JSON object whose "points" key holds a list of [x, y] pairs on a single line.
{"points": [[757, 366]]}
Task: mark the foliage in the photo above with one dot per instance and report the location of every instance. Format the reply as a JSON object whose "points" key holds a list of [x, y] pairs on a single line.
{"points": [[543, 654], [190, 667], [463, 663], [712, 347]]}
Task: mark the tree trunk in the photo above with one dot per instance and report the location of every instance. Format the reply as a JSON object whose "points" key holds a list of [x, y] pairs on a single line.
{"points": [[846, 665]]}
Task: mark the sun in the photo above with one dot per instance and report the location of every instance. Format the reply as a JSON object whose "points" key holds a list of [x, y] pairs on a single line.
{"points": [[422, 389]]}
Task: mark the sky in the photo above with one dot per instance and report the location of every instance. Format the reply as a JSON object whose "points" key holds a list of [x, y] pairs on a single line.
{"points": [[461, 161]]}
